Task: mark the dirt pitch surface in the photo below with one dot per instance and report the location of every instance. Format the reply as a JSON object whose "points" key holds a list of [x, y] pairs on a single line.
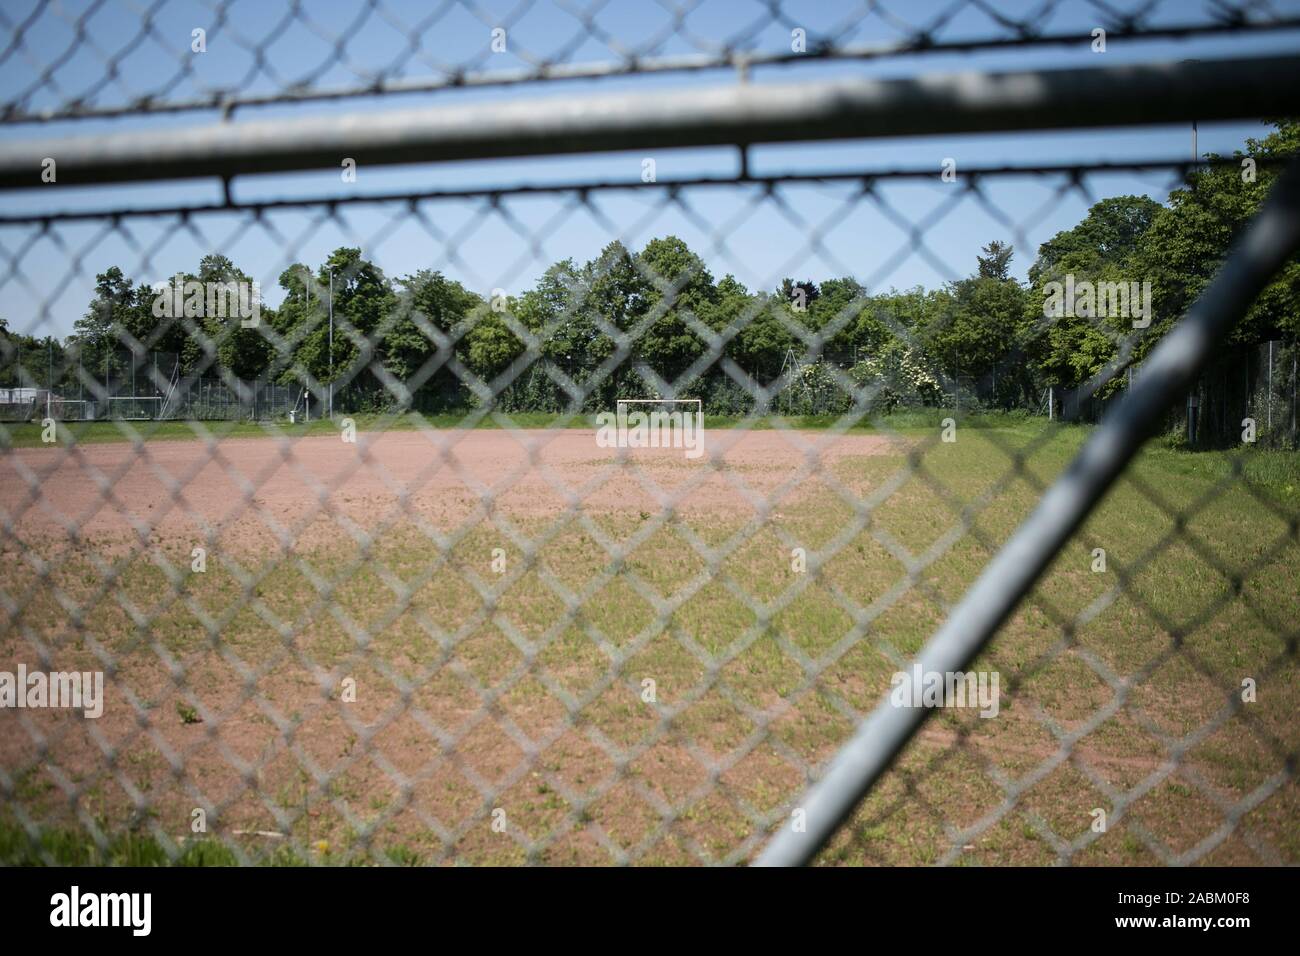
{"points": [[259, 499], [243, 488], [352, 676]]}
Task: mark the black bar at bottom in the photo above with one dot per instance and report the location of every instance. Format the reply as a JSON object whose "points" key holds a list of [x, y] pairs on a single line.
{"points": [[334, 907]]}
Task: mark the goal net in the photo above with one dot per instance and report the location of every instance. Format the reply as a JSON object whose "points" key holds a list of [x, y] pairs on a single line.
{"points": [[656, 423]]}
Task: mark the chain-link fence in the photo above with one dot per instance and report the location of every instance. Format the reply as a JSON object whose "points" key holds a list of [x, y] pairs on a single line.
{"points": [[596, 517], [88, 60], [149, 387]]}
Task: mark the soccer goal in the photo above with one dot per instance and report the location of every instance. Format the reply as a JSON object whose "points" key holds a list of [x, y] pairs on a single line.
{"points": [[663, 405], [135, 407], [656, 423]]}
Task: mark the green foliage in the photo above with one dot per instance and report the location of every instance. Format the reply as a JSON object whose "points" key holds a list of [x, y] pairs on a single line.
{"points": [[813, 390], [995, 263], [681, 291], [973, 329], [616, 325], [30, 362], [69, 847], [899, 376], [1189, 239], [118, 307]]}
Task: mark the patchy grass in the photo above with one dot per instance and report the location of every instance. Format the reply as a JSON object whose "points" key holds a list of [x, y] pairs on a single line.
{"points": [[521, 698], [76, 847]]}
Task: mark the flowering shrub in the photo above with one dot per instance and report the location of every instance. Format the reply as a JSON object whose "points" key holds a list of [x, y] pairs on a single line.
{"points": [[898, 377]]}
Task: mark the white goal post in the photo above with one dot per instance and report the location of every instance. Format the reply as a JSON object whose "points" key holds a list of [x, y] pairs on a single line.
{"points": [[659, 427], [661, 416], [697, 402]]}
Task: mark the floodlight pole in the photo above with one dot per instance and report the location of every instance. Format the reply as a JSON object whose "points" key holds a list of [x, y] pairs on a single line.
{"points": [[331, 268], [1193, 403]]}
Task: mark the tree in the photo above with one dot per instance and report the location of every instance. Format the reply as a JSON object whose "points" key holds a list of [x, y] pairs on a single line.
{"points": [[490, 345], [292, 322], [760, 345], [973, 328], [364, 311], [800, 296], [1188, 240], [996, 262], [855, 322], [680, 291], [1108, 233], [242, 351], [1072, 348], [97, 334], [31, 362], [430, 307]]}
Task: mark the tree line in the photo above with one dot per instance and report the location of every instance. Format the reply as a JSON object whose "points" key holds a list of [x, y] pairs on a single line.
{"points": [[638, 323]]}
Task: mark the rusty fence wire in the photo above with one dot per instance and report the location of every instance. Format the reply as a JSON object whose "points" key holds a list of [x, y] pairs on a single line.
{"points": [[522, 557]]}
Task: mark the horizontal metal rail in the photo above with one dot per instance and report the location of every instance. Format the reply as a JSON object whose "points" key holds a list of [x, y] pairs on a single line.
{"points": [[970, 174], [1272, 239], [739, 114]]}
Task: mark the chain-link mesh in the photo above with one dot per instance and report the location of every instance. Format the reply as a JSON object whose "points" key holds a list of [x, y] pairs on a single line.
{"points": [[368, 580], [97, 59]]}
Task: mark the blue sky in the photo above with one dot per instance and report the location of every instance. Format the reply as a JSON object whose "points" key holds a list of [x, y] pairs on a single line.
{"points": [[485, 249]]}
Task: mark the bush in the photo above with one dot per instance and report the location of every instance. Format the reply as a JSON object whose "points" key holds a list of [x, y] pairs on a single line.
{"points": [[1175, 439], [898, 377]]}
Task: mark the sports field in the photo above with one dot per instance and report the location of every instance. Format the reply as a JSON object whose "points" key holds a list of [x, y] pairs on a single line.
{"points": [[499, 599]]}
